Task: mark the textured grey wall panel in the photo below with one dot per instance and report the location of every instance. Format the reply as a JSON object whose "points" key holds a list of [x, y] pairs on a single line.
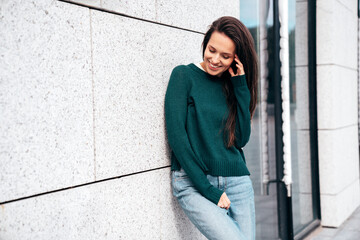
{"points": [[46, 139], [336, 97], [337, 77], [336, 38], [132, 63], [92, 3], [193, 15], [145, 9], [135, 207]]}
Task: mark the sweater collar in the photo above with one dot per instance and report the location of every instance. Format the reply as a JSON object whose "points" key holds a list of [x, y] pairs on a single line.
{"points": [[203, 73]]}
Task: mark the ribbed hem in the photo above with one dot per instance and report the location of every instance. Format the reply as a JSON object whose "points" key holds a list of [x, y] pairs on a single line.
{"points": [[220, 168], [227, 168], [239, 80]]}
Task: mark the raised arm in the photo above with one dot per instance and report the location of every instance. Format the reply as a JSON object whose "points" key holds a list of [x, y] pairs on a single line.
{"points": [[243, 123]]}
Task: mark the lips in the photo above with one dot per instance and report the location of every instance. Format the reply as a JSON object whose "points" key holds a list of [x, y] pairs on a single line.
{"points": [[212, 67]]}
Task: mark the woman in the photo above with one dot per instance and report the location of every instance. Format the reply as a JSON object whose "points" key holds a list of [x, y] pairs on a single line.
{"points": [[208, 111]]}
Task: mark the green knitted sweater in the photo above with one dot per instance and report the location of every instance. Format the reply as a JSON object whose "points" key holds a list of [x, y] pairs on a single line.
{"points": [[195, 114]]}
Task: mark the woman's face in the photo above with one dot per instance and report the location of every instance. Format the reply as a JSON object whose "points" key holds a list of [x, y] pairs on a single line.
{"points": [[219, 54]]}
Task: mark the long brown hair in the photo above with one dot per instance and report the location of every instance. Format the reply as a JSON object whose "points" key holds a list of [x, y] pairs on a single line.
{"points": [[245, 49]]}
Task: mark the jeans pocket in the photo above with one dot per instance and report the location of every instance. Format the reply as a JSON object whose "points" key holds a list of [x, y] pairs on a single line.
{"points": [[180, 183]]}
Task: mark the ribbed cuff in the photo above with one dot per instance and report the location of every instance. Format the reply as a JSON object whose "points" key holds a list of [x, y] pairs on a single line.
{"points": [[214, 195], [239, 80]]}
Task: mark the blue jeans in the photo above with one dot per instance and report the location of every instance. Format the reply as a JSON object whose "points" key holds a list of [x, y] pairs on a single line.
{"points": [[238, 222]]}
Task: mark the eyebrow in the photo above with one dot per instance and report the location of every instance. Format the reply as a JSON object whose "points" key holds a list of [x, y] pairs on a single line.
{"points": [[223, 53]]}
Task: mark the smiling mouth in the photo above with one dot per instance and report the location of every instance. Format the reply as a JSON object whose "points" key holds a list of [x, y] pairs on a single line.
{"points": [[212, 66]]}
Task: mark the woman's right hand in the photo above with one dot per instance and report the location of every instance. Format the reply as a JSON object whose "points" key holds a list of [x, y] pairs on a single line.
{"points": [[224, 201]]}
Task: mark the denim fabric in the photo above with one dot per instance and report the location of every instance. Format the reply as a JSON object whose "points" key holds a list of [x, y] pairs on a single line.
{"points": [[238, 222]]}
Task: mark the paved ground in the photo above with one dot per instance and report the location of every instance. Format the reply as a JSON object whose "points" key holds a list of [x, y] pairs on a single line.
{"points": [[349, 230]]}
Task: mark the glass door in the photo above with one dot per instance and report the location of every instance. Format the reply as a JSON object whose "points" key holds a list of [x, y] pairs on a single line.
{"points": [[277, 215], [260, 151], [303, 194]]}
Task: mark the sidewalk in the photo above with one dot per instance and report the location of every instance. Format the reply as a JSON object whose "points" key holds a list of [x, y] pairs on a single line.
{"points": [[349, 230]]}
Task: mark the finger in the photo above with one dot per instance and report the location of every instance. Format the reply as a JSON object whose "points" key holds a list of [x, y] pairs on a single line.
{"points": [[240, 69], [231, 72], [227, 205]]}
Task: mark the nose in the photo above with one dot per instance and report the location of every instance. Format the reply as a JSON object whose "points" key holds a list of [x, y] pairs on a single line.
{"points": [[216, 59]]}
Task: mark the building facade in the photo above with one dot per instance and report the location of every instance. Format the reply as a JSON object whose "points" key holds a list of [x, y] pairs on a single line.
{"points": [[83, 148]]}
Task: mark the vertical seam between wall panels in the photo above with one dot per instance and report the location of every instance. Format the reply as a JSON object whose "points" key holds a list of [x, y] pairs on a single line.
{"points": [[93, 94]]}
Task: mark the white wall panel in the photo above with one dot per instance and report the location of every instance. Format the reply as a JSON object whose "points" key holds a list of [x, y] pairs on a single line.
{"points": [[192, 15], [195, 15], [337, 106], [336, 38], [46, 138], [140, 206], [335, 209], [336, 96], [132, 64], [339, 159]]}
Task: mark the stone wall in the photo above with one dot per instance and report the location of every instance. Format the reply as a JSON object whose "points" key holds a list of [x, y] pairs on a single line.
{"points": [[337, 74], [83, 152]]}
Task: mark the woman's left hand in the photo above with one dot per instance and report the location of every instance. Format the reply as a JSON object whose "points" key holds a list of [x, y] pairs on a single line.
{"points": [[240, 68]]}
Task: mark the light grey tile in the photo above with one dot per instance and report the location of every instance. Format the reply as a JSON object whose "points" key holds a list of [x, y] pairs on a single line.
{"points": [[132, 64], [328, 232], [352, 224], [350, 5], [61, 215], [192, 15], [92, 3], [195, 15], [336, 97], [46, 137], [336, 34], [320, 238], [145, 9], [129, 207], [336, 208], [356, 213], [338, 159], [123, 208], [347, 235]]}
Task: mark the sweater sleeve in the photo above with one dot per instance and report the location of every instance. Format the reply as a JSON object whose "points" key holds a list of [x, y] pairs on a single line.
{"points": [[175, 117], [243, 123]]}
